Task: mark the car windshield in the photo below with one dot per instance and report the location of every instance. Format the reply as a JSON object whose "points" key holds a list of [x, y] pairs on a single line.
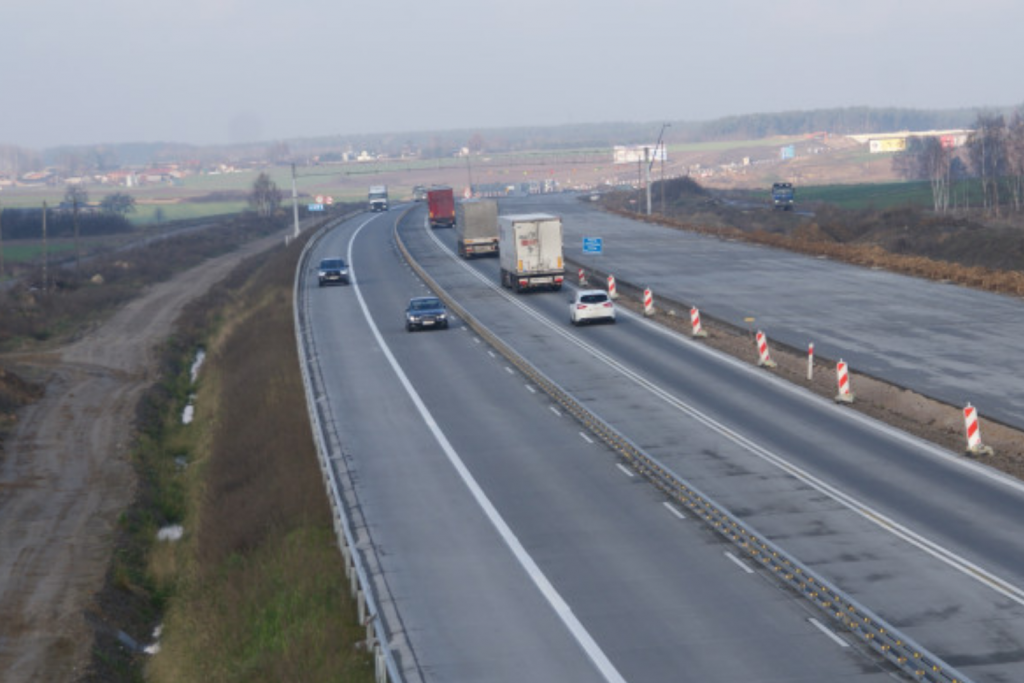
{"points": [[594, 298], [332, 263], [425, 304]]}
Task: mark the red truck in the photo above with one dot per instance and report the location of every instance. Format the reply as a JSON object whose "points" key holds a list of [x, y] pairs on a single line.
{"points": [[441, 206]]}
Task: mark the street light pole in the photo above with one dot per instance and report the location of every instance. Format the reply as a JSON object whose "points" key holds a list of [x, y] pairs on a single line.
{"points": [[647, 179], [295, 204], [650, 163]]}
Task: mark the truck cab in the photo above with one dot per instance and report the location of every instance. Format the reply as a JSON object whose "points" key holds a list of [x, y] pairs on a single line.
{"points": [[782, 196]]}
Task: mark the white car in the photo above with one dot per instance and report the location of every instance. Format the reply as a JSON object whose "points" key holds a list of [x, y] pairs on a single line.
{"points": [[589, 305]]}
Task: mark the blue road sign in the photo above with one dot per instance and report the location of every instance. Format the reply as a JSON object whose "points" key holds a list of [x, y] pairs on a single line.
{"points": [[315, 207], [592, 245]]}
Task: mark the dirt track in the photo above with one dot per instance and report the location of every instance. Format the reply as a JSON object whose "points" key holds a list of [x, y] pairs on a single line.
{"points": [[67, 476]]}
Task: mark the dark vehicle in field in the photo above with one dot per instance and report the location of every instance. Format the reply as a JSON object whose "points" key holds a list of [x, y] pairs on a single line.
{"points": [[782, 196], [425, 311], [332, 271]]}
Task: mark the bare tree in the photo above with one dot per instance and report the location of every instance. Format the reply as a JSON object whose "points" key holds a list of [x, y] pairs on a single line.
{"points": [[119, 203], [926, 159], [1015, 159], [986, 150], [265, 197]]}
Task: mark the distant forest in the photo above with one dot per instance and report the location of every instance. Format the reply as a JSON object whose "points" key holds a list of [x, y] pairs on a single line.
{"points": [[433, 144]]}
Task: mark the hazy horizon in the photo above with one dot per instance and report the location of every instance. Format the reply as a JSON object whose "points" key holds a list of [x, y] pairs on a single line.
{"points": [[207, 72]]}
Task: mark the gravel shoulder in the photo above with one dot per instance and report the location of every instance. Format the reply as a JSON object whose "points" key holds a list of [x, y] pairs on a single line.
{"points": [[66, 475]]}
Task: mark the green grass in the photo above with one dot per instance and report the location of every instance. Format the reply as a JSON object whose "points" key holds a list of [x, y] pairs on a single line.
{"points": [[917, 194], [22, 251], [149, 214]]}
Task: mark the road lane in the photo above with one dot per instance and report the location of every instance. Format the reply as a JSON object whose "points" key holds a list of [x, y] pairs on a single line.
{"points": [[467, 612], [967, 512]]}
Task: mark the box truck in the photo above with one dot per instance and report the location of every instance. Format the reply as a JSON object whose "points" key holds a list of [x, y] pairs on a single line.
{"points": [[530, 251], [476, 224], [379, 198], [441, 207]]}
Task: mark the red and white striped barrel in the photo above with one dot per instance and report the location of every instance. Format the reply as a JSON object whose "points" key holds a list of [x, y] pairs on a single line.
{"points": [[845, 395], [764, 356], [582, 277], [612, 292], [698, 331], [648, 302]]}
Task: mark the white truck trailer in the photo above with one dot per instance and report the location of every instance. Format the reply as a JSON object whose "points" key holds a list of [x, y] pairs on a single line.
{"points": [[530, 251], [476, 225], [379, 198]]}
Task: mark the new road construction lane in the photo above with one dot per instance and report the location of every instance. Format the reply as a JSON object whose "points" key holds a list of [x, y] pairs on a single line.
{"points": [[655, 596], [925, 538], [944, 341]]}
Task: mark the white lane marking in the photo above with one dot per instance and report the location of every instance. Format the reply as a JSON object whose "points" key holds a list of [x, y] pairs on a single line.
{"points": [[625, 470], [555, 410], [562, 609], [740, 563], [674, 510], [491, 354], [828, 632], [509, 370], [475, 339], [586, 438], [531, 389], [941, 553]]}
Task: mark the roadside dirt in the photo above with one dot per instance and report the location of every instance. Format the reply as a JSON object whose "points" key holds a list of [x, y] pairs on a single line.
{"points": [[65, 476]]}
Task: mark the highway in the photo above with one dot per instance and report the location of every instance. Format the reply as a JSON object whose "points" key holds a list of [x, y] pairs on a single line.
{"points": [[951, 343], [511, 546]]}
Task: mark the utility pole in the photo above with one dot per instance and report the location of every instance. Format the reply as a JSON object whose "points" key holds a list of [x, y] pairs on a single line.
{"points": [[1, 240], [78, 249], [295, 204], [649, 160], [46, 259]]}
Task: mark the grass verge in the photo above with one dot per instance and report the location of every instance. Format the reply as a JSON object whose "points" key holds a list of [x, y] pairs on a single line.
{"points": [[255, 590]]}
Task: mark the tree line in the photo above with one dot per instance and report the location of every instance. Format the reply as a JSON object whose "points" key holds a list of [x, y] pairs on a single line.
{"points": [[993, 156], [74, 217]]}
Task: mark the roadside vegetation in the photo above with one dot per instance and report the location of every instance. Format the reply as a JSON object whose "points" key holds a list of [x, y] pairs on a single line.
{"points": [[255, 590]]}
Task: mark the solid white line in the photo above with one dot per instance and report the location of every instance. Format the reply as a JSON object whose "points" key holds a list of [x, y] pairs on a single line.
{"points": [[555, 411], [674, 510], [531, 389], [625, 470], [562, 609], [586, 438], [742, 565], [828, 632], [941, 553]]}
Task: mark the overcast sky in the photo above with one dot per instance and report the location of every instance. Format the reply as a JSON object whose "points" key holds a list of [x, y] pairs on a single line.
{"points": [[217, 71]]}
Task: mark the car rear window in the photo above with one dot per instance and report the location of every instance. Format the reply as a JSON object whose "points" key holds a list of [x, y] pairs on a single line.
{"points": [[594, 298], [332, 263]]}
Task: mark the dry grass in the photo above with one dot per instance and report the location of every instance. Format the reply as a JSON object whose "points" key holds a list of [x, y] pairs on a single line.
{"points": [[260, 594]]}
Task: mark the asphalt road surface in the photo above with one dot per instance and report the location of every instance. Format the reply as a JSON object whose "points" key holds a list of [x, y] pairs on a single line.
{"points": [[944, 341], [917, 534]]}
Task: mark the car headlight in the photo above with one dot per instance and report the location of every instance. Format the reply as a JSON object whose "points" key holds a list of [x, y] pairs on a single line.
{"points": [[323, 274]]}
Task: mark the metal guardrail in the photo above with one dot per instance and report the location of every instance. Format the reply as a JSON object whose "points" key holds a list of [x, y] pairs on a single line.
{"points": [[386, 669], [854, 618]]}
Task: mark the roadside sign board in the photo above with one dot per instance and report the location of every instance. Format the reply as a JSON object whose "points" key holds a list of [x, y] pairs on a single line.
{"points": [[315, 207], [592, 245]]}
